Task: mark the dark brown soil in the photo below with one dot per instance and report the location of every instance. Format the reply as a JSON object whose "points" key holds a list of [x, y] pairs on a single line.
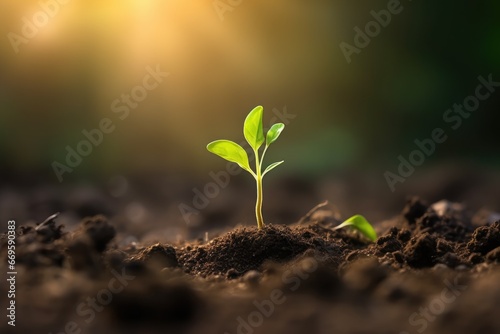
{"points": [[433, 269], [247, 249]]}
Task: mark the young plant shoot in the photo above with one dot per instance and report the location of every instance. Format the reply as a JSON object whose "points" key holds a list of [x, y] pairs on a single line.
{"points": [[254, 134], [360, 224]]}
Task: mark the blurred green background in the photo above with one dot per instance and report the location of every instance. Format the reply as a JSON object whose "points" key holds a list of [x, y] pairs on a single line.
{"points": [[284, 55]]}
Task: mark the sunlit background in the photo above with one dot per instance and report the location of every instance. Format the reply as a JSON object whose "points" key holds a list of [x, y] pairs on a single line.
{"points": [[353, 117]]}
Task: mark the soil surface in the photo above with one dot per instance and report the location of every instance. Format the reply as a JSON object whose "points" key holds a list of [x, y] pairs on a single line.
{"points": [[434, 269]]}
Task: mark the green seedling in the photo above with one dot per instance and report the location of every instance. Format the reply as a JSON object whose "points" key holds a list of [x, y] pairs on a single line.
{"points": [[360, 224], [254, 134]]}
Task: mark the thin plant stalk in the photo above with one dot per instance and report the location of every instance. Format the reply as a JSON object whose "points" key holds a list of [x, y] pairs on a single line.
{"points": [[260, 194]]}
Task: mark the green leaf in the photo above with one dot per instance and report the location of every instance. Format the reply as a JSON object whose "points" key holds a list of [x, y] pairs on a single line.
{"points": [[230, 151], [274, 132], [362, 225], [271, 167], [252, 129]]}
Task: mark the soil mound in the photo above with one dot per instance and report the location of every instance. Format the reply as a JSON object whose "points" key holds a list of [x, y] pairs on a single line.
{"points": [[245, 249]]}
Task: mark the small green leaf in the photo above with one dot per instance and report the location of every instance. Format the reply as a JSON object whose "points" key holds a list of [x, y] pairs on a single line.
{"points": [[252, 129], [274, 132], [230, 151], [362, 225], [271, 167]]}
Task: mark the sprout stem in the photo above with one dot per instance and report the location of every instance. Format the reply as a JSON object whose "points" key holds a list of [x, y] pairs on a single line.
{"points": [[258, 204]]}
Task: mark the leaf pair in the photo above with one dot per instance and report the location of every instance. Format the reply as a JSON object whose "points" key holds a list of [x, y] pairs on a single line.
{"points": [[254, 134], [254, 131]]}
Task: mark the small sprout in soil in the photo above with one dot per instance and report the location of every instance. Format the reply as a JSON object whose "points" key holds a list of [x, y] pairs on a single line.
{"points": [[359, 223], [254, 134]]}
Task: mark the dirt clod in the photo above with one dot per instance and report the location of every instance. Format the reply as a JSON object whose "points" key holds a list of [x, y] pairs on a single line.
{"points": [[485, 238], [162, 255]]}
